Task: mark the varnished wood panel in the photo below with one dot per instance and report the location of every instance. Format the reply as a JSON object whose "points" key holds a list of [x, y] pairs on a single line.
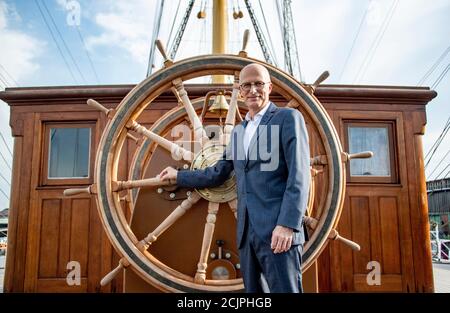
{"points": [[59, 285], [79, 237], [21, 186], [14, 222], [389, 235], [388, 283], [345, 261], [49, 235], [323, 270], [375, 231], [96, 257], [64, 237], [360, 224]]}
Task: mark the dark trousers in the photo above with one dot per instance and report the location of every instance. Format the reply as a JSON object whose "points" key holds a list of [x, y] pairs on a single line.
{"points": [[264, 271]]}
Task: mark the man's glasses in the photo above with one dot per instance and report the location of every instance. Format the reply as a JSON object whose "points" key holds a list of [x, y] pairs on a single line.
{"points": [[248, 86]]}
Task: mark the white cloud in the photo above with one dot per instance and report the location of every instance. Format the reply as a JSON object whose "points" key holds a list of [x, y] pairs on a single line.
{"points": [[62, 3], [321, 30], [18, 56], [326, 29], [126, 25], [408, 40], [3, 10], [20, 50]]}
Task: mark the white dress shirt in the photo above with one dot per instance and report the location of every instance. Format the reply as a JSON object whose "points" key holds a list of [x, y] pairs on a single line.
{"points": [[252, 125]]}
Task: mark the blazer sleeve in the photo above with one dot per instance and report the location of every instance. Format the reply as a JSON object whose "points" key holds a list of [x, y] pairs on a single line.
{"points": [[212, 176], [295, 145]]}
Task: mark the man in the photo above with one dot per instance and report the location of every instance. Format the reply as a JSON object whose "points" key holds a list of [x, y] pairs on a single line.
{"points": [[272, 199]]}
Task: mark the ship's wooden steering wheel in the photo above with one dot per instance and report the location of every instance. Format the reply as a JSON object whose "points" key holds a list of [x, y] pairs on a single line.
{"points": [[209, 271]]}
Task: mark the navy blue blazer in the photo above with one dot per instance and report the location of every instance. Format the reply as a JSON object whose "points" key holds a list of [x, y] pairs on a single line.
{"points": [[272, 180]]}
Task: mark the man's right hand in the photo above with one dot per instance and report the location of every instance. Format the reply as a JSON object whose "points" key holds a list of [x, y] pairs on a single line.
{"points": [[169, 174]]}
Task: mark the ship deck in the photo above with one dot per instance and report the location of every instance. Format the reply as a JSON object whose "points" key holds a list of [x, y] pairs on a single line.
{"points": [[441, 273]]}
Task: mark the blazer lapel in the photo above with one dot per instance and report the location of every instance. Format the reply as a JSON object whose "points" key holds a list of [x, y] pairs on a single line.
{"points": [[239, 144], [264, 121]]}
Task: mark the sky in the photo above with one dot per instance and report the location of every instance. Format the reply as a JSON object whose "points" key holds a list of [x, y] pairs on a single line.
{"points": [[368, 42]]}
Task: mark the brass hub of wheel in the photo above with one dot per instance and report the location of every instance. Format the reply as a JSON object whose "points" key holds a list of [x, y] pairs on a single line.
{"points": [[208, 156]]}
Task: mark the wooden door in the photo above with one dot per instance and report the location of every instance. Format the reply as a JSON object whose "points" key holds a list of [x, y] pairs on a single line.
{"points": [[377, 214], [61, 229]]}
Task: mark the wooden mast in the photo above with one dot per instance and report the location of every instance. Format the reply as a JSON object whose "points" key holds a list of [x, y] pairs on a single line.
{"points": [[219, 33]]}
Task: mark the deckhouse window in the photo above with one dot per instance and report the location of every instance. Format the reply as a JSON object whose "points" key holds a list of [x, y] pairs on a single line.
{"points": [[67, 153], [378, 138]]}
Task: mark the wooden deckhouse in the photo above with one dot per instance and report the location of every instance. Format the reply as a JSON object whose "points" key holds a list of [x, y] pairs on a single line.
{"points": [[385, 204]]}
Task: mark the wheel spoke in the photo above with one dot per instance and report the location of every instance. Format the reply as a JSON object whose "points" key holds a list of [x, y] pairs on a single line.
{"points": [[231, 115], [233, 206], [312, 191], [293, 104], [199, 131], [148, 182], [176, 151], [200, 276], [179, 211], [123, 263], [313, 223]]}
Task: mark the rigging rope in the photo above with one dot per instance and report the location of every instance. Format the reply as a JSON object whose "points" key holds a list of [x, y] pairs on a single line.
{"points": [[437, 143], [373, 48], [439, 163], [87, 53], [354, 41], [4, 141], [63, 41], [433, 67], [259, 34], [441, 76], [156, 28], [55, 41], [173, 23], [9, 75], [272, 52], [176, 43]]}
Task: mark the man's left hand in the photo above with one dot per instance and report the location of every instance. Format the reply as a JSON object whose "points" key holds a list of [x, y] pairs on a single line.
{"points": [[281, 239]]}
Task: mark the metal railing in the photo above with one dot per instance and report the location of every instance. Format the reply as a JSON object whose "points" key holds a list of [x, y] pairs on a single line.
{"points": [[3, 240], [440, 248], [438, 185]]}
